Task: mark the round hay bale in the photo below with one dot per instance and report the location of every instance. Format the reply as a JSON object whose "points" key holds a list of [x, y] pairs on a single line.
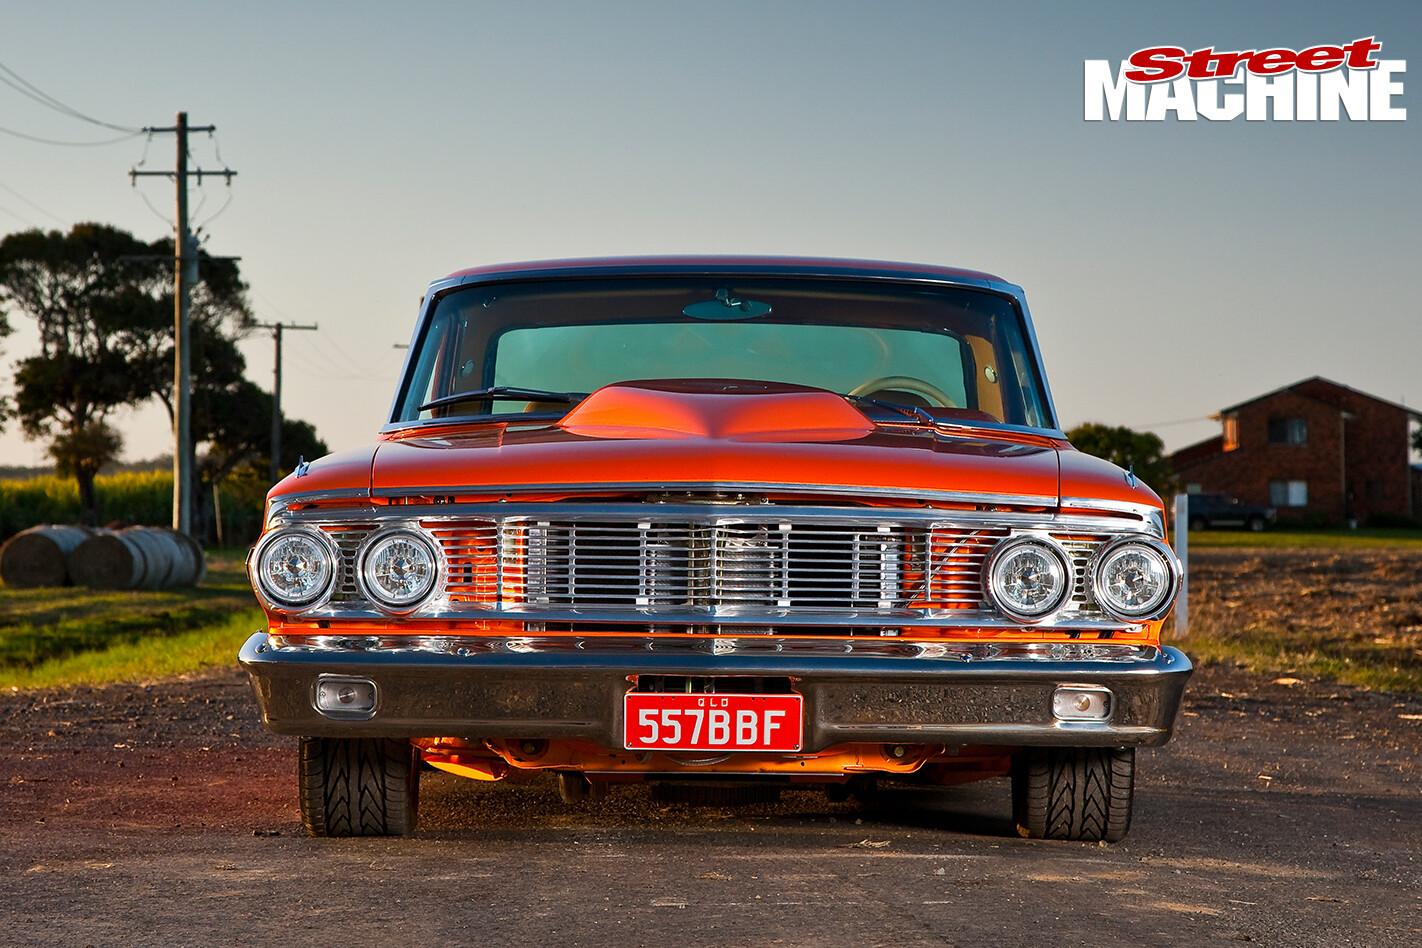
{"points": [[38, 556], [137, 558], [108, 561]]}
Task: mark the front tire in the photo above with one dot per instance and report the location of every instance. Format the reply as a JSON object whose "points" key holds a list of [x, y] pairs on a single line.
{"points": [[358, 786], [1078, 793]]}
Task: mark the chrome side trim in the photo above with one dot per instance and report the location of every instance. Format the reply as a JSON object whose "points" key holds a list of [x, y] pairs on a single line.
{"points": [[1151, 515], [362, 648]]}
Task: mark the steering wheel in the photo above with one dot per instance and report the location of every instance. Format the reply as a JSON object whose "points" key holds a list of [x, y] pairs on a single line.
{"points": [[904, 383]]}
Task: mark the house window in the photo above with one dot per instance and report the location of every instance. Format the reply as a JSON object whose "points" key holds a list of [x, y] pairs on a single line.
{"points": [[1288, 493], [1288, 431], [1231, 432]]}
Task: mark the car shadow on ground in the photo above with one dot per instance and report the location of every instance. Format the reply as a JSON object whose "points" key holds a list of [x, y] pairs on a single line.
{"points": [[453, 807]]}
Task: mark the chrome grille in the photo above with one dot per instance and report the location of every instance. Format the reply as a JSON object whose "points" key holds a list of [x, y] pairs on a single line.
{"points": [[348, 538], [719, 566], [748, 565]]}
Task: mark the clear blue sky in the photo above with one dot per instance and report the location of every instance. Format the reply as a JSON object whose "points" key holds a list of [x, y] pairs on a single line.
{"points": [[1173, 269]]}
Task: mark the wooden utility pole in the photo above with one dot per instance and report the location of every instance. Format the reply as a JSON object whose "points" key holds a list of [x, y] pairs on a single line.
{"points": [[276, 329], [185, 273]]}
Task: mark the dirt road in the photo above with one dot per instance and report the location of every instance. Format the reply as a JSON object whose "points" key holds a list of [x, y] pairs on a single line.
{"points": [[1281, 815]]}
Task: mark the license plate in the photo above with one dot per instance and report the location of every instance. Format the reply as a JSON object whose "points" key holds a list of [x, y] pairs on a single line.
{"points": [[704, 722]]}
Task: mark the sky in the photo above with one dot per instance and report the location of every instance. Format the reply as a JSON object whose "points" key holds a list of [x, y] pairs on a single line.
{"points": [[1172, 268]]}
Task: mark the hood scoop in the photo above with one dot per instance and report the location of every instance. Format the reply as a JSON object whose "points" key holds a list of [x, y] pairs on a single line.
{"points": [[719, 409]]}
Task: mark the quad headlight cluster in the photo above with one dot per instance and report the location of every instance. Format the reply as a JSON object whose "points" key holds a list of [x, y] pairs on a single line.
{"points": [[1134, 579], [295, 568]]}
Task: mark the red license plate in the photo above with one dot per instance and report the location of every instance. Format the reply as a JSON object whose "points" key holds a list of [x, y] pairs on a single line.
{"points": [[712, 722]]}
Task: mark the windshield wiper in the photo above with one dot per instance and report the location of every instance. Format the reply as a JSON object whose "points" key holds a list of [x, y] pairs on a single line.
{"points": [[504, 391], [912, 411]]}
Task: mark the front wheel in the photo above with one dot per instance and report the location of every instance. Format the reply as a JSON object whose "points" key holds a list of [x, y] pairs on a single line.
{"points": [[1081, 793], [358, 786]]}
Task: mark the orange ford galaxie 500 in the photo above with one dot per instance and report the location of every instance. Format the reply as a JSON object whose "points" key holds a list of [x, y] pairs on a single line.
{"points": [[722, 525]]}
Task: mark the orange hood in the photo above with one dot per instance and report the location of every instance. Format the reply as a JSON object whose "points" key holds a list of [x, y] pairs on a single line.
{"points": [[716, 433], [728, 434]]}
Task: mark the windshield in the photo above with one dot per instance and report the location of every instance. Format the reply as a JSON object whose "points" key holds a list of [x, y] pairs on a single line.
{"points": [[955, 352]]}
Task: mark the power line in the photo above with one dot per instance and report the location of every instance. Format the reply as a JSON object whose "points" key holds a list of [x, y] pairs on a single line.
{"points": [[19, 217], [26, 88], [32, 204], [52, 141]]}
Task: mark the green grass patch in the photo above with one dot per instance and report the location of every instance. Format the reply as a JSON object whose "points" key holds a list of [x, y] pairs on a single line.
{"points": [[97, 635], [1311, 539], [142, 658], [1272, 654]]}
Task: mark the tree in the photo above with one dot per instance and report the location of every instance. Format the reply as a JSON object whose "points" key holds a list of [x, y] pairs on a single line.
{"points": [[235, 421], [103, 302], [1140, 451], [99, 302]]}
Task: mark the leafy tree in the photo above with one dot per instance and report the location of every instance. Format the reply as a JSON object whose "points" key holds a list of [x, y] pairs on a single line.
{"points": [[103, 302], [1141, 451], [99, 303]]}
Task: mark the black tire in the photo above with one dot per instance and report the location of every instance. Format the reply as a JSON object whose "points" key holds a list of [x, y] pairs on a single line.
{"points": [[1256, 524], [1199, 523], [1081, 793], [358, 786]]}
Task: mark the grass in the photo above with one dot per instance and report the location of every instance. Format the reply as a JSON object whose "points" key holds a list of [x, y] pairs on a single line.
{"points": [[141, 658], [74, 635], [1350, 613], [1306, 538], [1278, 653]]}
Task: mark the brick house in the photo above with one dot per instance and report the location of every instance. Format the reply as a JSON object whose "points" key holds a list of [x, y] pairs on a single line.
{"points": [[1315, 450]]}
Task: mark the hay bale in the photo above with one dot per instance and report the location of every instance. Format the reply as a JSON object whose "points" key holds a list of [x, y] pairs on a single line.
{"points": [[38, 556], [137, 558]]}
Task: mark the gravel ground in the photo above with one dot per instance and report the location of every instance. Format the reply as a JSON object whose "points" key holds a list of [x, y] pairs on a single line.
{"points": [[1282, 814]]}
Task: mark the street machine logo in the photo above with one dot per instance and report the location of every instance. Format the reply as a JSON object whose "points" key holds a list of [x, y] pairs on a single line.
{"points": [[1320, 83]]}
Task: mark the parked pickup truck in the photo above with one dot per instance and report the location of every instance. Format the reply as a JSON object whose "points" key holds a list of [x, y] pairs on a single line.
{"points": [[718, 522], [1211, 511]]}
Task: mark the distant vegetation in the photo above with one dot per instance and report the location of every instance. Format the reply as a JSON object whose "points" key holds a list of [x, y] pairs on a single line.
{"points": [[130, 498], [1140, 451], [101, 301]]}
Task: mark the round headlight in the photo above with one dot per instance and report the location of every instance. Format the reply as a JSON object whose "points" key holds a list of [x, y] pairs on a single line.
{"points": [[1135, 580], [294, 567], [398, 569], [1028, 579]]}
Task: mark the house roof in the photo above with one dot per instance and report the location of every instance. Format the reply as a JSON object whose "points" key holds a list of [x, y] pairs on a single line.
{"points": [[1294, 389]]}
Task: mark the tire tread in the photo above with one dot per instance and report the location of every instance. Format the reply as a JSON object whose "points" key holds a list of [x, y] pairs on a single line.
{"points": [[358, 786]]}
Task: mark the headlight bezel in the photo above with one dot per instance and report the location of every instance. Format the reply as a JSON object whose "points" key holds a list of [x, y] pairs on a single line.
{"points": [[1050, 547], [370, 591], [1096, 585], [276, 600]]}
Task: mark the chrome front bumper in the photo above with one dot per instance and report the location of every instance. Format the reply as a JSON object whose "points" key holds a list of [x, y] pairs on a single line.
{"points": [[874, 690]]}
